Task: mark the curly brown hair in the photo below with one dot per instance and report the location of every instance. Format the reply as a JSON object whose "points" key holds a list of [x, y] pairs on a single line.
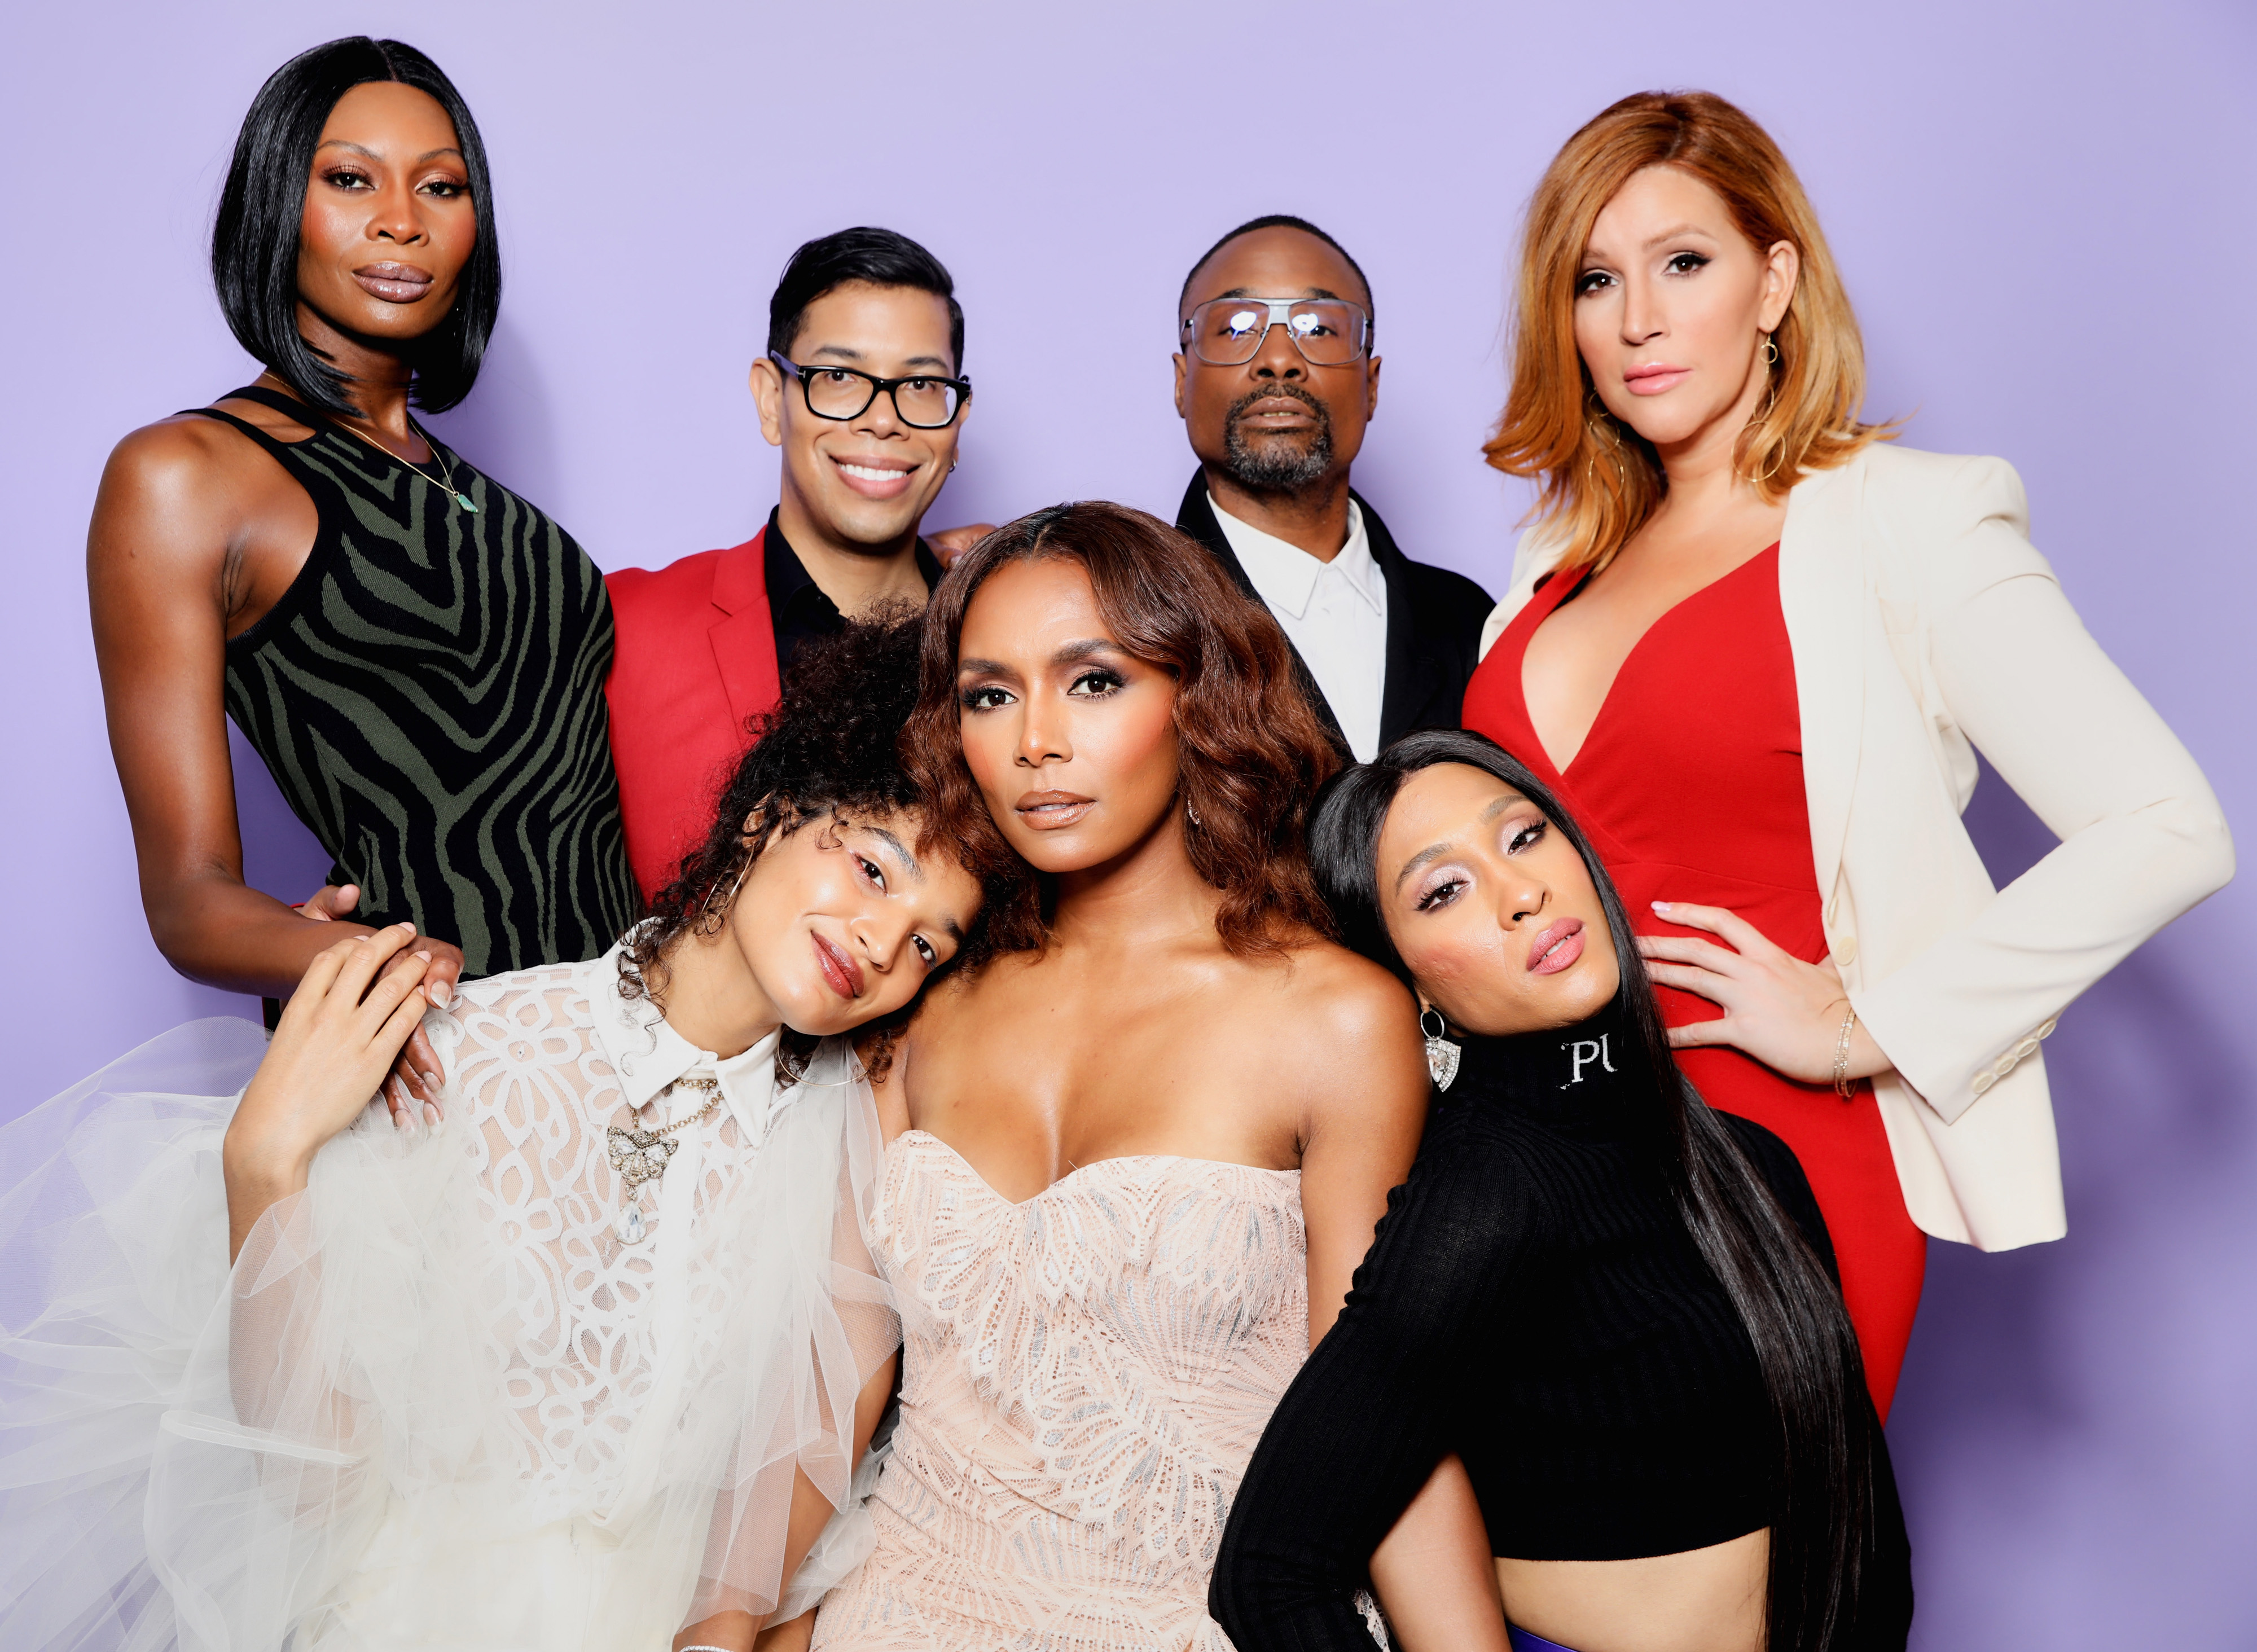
{"points": [[830, 748], [1253, 752]]}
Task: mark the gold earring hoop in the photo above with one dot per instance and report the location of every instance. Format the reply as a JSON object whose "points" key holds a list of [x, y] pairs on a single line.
{"points": [[716, 913], [1768, 354]]}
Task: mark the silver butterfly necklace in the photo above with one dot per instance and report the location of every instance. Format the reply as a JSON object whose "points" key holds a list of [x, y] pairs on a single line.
{"points": [[641, 1156]]}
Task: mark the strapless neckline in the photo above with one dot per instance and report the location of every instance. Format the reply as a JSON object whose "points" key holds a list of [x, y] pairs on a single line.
{"points": [[1089, 1169]]}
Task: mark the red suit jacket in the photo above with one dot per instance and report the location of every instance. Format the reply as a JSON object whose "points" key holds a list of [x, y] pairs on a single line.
{"points": [[693, 663]]}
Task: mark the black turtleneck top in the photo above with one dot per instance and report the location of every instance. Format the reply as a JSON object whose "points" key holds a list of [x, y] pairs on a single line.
{"points": [[1533, 1301]]}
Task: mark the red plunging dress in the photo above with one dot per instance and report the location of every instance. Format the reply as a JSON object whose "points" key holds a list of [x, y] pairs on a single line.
{"points": [[1690, 787]]}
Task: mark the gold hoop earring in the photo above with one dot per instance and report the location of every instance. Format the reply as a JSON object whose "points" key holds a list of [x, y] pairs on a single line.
{"points": [[716, 913], [1769, 353]]}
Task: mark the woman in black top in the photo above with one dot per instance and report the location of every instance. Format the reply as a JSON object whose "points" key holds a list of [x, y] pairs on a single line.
{"points": [[1614, 1306], [417, 654]]}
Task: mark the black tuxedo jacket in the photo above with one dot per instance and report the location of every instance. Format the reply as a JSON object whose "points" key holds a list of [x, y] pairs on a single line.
{"points": [[1434, 621]]}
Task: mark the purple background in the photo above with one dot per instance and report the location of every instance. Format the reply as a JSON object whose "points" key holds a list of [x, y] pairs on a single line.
{"points": [[2044, 216]]}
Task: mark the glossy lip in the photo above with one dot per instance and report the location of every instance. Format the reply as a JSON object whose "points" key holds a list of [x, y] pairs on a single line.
{"points": [[1052, 811], [1557, 946], [868, 487], [840, 972], [393, 283], [1650, 378]]}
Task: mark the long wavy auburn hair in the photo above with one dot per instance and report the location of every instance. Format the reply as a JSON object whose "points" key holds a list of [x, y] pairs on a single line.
{"points": [[1252, 751], [1600, 480]]}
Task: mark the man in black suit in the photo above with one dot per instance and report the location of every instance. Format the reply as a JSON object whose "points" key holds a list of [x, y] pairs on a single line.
{"points": [[1275, 380]]}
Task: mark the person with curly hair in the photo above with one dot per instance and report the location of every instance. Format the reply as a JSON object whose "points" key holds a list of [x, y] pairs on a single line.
{"points": [[586, 1358], [1132, 1164]]}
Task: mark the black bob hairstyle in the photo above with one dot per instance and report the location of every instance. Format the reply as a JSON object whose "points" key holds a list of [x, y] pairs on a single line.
{"points": [[1828, 1529], [883, 257], [1280, 221], [262, 207]]}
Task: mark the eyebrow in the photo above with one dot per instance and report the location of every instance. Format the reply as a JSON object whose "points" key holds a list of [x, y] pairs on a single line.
{"points": [[363, 149], [847, 352], [1433, 852], [1064, 654], [900, 851], [1673, 232]]}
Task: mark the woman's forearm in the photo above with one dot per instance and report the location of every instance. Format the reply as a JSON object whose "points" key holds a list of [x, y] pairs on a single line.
{"points": [[1433, 1573], [217, 930], [257, 1182]]}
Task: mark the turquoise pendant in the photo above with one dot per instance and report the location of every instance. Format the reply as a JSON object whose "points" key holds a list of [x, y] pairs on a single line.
{"points": [[463, 499]]}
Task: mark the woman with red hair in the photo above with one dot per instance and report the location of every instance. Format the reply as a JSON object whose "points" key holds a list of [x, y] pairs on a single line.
{"points": [[1756, 649]]}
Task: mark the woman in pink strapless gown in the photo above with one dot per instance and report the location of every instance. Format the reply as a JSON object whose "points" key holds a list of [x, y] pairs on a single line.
{"points": [[1086, 1376], [1131, 1168]]}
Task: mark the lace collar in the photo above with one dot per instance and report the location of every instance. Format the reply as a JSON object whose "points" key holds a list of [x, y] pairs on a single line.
{"points": [[648, 1055]]}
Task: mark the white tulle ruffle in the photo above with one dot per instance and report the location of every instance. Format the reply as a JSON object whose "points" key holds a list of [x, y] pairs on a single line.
{"points": [[341, 1443]]}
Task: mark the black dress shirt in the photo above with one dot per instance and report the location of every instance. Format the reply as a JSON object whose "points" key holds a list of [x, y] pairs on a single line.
{"points": [[797, 607], [1434, 620]]}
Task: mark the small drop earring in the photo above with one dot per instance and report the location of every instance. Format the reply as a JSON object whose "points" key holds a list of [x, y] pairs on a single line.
{"points": [[1441, 1055]]}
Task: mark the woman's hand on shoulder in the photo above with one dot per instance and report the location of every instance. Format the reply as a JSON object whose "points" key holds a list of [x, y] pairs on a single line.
{"points": [[339, 1037], [417, 1076]]}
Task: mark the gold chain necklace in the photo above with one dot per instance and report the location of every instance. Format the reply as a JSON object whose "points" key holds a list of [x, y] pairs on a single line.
{"points": [[641, 1156], [447, 487]]}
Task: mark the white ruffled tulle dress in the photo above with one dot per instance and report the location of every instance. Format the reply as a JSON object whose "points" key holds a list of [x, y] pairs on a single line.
{"points": [[440, 1400]]}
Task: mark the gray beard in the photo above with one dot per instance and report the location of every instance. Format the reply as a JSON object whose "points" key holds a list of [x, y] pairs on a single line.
{"points": [[1277, 464]]}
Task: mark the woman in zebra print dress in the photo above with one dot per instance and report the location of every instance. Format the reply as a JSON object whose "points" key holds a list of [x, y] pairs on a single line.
{"points": [[417, 654]]}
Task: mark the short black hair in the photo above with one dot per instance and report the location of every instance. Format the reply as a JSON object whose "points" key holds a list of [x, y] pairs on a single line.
{"points": [[883, 257], [262, 207], [1279, 221]]}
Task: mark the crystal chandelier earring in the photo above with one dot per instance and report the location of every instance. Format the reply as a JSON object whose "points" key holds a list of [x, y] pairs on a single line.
{"points": [[1441, 1055]]}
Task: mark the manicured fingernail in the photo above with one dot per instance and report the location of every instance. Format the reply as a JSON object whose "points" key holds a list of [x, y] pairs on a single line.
{"points": [[441, 994], [430, 1115], [405, 928], [426, 956], [431, 1082], [1661, 906]]}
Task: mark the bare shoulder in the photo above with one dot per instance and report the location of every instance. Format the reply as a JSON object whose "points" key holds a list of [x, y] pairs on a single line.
{"points": [[182, 470], [1320, 989], [1339, 1035], [1340, 1031]]}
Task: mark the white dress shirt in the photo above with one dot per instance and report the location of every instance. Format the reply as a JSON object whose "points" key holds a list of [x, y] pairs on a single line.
{"points": [[1335, 613]]}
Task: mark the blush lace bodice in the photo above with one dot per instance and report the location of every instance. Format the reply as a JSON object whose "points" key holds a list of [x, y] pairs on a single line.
{"points": [[1085, 1376]]}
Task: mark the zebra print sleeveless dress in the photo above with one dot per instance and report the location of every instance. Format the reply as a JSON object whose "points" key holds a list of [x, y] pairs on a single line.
{"points": [[428, 695]]}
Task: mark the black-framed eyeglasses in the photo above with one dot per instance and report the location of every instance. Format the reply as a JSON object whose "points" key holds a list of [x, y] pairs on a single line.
{"points": [[923, 401], [1228, 332]]}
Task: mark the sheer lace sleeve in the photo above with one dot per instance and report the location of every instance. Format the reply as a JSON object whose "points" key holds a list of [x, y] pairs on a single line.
{"points": [[440, 1380]]}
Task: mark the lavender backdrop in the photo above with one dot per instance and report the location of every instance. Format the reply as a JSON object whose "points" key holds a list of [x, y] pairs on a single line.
{"points": [[2044, 212]]}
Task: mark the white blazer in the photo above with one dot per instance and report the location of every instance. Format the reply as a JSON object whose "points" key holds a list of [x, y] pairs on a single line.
{"points": [[1926, 626]]}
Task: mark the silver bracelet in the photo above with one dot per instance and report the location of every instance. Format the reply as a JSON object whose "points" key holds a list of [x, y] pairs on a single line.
{"points": [[704, 1649], [1844, 1086]]}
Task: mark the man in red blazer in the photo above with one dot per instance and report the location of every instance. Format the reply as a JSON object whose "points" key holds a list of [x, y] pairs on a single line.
{"points": [[862, 390]]}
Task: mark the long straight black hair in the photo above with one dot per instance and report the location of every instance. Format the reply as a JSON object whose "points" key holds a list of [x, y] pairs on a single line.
{"points": [[1826, 1524], [263, 205]]}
